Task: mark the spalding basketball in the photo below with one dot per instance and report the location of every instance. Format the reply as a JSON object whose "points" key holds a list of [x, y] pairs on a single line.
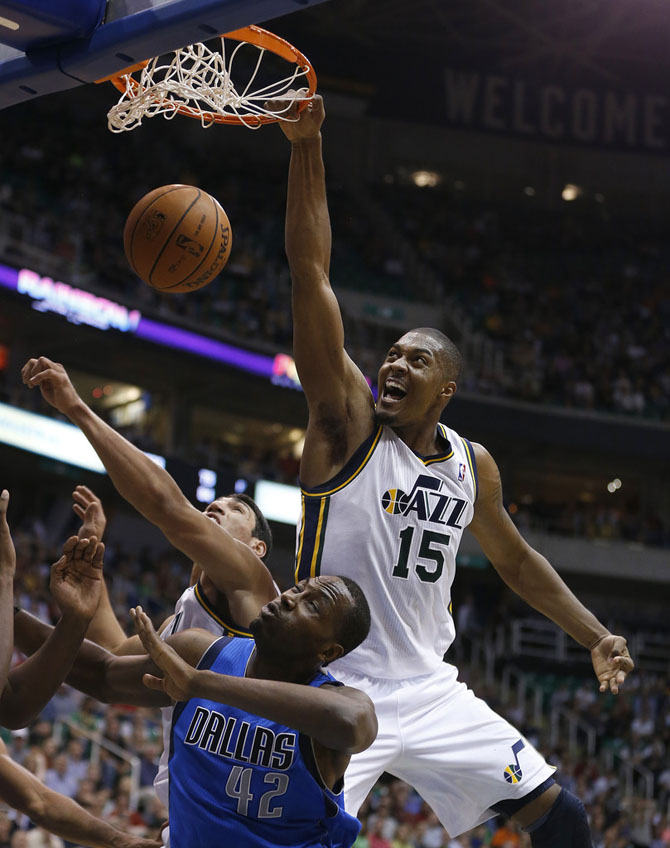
{"points": [[177, 238]]}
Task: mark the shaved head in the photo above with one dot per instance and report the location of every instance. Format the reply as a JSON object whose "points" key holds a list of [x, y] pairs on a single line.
{"points": [[450, 355]]}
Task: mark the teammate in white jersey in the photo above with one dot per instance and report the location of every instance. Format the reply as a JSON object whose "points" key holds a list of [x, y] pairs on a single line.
{"points": [[387, 491], [205, 602]]}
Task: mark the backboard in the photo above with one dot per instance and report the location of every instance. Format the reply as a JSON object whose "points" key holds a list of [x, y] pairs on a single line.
{"points": [[43, 51]]}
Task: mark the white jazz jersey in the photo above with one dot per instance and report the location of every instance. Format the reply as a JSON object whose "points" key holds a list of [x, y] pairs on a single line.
{"points": [[191, 610], [392, 521]]}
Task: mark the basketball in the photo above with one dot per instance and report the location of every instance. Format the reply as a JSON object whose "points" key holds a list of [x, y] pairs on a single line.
{"points": [[177, 238]]}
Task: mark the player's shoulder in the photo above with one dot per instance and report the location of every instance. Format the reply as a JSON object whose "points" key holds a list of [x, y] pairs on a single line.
{"points": [[488, 474], [186, 597], [227, 655], [191, 644], [483, 456]]}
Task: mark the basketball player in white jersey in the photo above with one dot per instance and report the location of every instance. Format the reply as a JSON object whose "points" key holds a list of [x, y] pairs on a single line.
{"points": [[204, 603], [387, 491], [228, 541]]}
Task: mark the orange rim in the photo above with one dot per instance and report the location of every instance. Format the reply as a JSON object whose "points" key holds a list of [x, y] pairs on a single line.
{"points": [[253, 35]]}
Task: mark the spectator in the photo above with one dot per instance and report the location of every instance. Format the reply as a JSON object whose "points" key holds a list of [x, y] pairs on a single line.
{"points": [[60, 778]]}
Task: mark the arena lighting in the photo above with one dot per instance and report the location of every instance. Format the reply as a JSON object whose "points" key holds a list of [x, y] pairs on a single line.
{"points": [[284, 372], [8, 24], [426, 179], [529, 191], [77, 305], [82, 307], [206, 489], [54, 439], [613, 485], [571, 192], [277, 501]]}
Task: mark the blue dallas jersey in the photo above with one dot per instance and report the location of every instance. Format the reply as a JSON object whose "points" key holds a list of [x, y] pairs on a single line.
{"points": [[243, 781]]}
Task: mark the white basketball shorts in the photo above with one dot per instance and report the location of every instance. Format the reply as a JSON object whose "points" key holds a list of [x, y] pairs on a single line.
{"points": [[436, 735]]}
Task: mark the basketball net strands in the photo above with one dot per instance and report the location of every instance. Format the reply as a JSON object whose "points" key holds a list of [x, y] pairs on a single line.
{"points": [[48, 46], [197, 81]]}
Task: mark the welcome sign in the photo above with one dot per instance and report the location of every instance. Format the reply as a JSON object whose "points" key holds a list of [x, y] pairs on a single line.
{"points": [[582, 111], [600, 117]]}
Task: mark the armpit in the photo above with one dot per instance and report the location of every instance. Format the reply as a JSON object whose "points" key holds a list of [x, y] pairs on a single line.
{"points": [[334, 430]]}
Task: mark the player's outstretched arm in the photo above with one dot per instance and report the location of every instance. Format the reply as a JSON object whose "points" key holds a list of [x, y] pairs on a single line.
{"points": [[7, 570], [75, 586], [230, 564], [339, 718], [532, 577], [105, 628], [95, 672], [341, 408], [54, 812]]}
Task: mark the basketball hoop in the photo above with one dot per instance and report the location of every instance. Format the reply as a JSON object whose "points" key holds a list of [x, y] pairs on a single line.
{"points": [[198, 82]]}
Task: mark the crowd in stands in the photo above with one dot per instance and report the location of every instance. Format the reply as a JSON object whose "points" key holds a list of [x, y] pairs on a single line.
{"points": [[577, 301], [593, 520], [631, 728]]}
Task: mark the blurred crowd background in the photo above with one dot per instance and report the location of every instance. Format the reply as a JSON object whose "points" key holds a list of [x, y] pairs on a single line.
{"points": [[560, 303], [592, 286]]}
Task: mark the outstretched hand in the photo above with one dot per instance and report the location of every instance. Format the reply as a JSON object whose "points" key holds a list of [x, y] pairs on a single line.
{"points": [[76, 579], [7, 552], [611, 662], [177, 674], [300, 125], [52, 380], [88, 507]]}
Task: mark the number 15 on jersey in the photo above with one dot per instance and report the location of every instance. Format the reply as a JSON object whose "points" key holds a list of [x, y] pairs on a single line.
{"points": [[430, 555]]}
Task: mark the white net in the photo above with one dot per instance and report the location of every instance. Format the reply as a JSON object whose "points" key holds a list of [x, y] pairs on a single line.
{"points": [[198, 82]]}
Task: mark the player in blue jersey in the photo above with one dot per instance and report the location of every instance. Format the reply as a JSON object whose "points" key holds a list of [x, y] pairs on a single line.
{"points": [[387, 492], [261, 734]]}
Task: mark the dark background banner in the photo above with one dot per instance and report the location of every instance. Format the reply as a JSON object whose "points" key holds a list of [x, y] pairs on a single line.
{"points": [[593, 115]]}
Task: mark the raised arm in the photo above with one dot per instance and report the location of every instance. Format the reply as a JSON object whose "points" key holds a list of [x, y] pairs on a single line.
{"points": [[533, 578], [339, 718], [231, 565], [7, 569], [54, 812], [75, 586], [341, 408], [105, 628]]}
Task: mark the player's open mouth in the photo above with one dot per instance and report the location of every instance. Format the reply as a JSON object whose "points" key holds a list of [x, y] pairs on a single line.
{"points": [[213, 517], [393, 392]]}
